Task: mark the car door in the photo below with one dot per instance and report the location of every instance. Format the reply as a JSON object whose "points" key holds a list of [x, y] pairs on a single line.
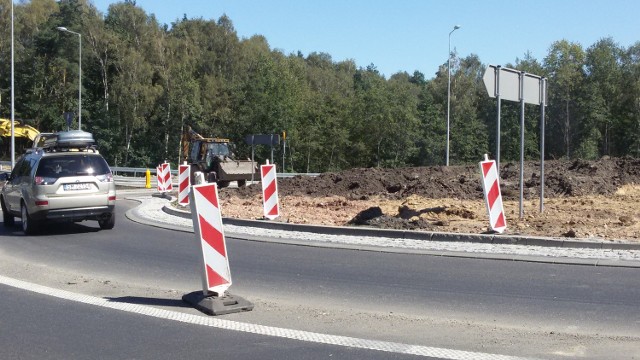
{"points": [[19, 179]]}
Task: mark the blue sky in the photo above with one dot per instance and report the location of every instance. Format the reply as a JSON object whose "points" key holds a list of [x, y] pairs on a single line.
{"points": [[408, 35]]}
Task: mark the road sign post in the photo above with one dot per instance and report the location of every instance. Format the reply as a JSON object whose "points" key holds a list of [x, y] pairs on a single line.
{"points": [[518, 86]]}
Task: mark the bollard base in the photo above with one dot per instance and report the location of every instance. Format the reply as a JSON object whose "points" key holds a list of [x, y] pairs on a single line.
{"points": [[217, 305]]}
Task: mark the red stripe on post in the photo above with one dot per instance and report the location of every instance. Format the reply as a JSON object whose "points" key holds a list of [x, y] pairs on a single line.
{"points": [[214, 279], [500, 222], [273, 211], [265, 169], [486, 167], [493, 194], [270, 190], [212, 236], [209, 193]]}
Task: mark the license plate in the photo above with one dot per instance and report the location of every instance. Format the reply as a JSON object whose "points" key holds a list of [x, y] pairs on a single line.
{"points": [[76, 186]]}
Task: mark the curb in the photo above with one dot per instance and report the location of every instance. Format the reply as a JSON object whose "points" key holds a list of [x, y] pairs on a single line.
{"points": [[422, 235]]}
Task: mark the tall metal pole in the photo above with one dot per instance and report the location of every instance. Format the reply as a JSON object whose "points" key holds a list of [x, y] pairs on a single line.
{"points": [[80, 82], [498, 119], [13, 115], [522, 74], [449, 93], [64, 29], [543, 104]]}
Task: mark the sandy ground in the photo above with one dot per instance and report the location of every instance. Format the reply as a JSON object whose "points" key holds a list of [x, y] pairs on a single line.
{"points": [[614, 216]]}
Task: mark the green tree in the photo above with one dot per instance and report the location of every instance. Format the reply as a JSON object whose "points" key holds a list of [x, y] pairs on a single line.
{"points": [[565, 66], [627, 135], [603, 92], [469, 135]]}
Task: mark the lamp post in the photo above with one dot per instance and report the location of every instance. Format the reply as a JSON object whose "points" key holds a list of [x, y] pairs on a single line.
{"points": [[449, 91], [13, 95], [64, 29]]}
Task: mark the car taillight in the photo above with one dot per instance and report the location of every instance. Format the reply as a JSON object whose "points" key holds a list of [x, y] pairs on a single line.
{"points": [[112, 198], [105, 178], [42, 202], [44, 180]]}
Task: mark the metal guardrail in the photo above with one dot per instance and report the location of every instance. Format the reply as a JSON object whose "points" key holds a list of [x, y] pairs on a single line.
{"points": [[123, 172], [142, 172]]}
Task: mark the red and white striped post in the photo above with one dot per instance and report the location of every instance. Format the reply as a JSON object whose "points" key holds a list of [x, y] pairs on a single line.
{"points": [[207, 226], [184, 183], [166, 171], [163, 174], [270, 201], [492, 195], [216, 274]]}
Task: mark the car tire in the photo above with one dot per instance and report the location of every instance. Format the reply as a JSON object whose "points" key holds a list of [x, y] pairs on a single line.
{"points": [[29, 226], [8, 219], [108, 224]]}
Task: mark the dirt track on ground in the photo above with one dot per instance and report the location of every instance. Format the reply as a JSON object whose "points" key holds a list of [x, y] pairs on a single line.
{"points": [[583, 199]]}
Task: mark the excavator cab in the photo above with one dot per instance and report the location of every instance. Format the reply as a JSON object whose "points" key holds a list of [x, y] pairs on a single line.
{"points": [[216, 151]]}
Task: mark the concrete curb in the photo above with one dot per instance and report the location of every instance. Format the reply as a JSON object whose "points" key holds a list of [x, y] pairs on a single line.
{"points": [[422, 235], [134, 215]]}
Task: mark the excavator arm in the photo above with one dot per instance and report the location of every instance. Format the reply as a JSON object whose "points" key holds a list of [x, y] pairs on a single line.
{"points": [[188, 136], [20, 130]]}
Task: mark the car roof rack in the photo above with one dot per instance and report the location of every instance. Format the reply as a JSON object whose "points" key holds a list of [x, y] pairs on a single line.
{"points": [[71, 140]]}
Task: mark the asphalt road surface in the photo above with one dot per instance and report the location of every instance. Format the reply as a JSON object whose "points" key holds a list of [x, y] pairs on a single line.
{"points": [[492, 307]]}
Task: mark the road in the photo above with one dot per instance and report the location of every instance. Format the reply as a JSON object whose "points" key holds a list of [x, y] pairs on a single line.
{"points": [[495, 307]]}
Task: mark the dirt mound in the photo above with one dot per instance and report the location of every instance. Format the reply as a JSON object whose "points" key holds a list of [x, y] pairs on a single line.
{"points": [[584, 199], [562, 178]]}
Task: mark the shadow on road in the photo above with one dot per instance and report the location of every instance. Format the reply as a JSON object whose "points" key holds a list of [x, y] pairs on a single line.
{"points": [[138, 300], [50, 228]]}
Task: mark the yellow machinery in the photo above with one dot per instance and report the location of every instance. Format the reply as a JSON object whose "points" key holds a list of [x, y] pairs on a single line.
{"points": [[21, 130], [213, 158]]}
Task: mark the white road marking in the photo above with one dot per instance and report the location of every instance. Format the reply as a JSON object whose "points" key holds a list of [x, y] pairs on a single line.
{"points": [[254, 328]]}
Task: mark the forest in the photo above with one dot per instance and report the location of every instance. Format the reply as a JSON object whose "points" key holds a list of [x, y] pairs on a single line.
{"points": [[143, 82]]}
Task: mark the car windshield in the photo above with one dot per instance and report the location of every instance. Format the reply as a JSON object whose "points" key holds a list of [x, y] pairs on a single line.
{"points": [[59, 166], [221, 149]]}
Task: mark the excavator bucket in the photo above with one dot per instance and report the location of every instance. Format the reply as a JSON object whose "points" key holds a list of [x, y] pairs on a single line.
{"points": [[233, 170]]}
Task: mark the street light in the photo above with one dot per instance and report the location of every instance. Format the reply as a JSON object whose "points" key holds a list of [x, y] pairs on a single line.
{"points": [[449, 91], [64, 29]]}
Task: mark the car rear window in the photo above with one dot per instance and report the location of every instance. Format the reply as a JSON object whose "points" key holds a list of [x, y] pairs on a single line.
{"points": [[77, 165]]}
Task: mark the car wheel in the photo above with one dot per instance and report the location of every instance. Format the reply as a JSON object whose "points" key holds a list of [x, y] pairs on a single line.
{"points": [[9, 220], [108, 224], [29, 226]]}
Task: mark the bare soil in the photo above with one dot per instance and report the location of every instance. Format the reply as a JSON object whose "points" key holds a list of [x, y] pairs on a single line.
{"points": [[583, 199]]}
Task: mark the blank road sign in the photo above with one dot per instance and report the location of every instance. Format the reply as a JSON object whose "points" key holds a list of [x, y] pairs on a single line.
{"points": [[510, 85]]}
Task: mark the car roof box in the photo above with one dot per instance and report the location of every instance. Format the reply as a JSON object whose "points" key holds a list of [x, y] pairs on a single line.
{"points": [[71, 139]]}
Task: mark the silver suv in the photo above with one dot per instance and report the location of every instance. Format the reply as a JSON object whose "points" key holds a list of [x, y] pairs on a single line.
{"points": [[66, 180]]}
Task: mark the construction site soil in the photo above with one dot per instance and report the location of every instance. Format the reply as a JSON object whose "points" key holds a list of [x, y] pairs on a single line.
{"points": [[583, 199]]}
